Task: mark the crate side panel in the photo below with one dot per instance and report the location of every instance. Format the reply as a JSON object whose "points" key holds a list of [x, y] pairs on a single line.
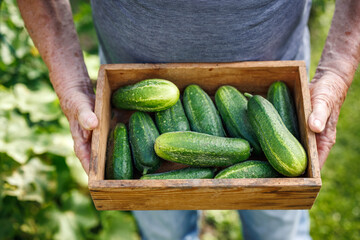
{"points": [[100, 134], [247, 79], [256, 193], [303, 105], [206, 198]]}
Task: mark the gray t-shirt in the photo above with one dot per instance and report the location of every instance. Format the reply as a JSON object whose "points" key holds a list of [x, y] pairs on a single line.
{"points": [[157, 31]]}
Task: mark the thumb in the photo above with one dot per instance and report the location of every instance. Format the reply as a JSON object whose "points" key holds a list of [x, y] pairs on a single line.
{"points": [[320, 114], [87, 117], [327, 91]]}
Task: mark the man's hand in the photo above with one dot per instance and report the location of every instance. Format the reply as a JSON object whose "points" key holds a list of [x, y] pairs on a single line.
{"points": [[51, 27], [327, 95], [334, 74], [78, 105]]}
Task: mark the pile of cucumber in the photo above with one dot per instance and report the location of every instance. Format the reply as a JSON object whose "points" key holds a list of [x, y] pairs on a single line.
{"points": [[214, 141]]}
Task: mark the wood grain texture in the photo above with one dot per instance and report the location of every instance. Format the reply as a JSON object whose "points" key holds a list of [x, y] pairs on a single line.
{"points": [[100, 134], [252, 77], [298, 193], [309, 139]]}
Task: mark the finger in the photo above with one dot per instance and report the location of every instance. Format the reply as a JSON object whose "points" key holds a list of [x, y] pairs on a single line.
{"points": [[326, 139], [82, 151], [82, 146], [323, 148], [327, 93]]}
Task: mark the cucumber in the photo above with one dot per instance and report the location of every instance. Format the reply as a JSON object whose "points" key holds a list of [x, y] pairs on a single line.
{"points": [[201, 112], [232, 106], [142, 135], [109, 173], [279, 95], [200, 149], [249, 169], [284, 152], [119, 165], [172, 119], [185, 173], [150, 95]]}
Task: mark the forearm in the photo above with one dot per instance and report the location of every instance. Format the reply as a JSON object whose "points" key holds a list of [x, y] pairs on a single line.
{"points": [[334, 74], [341, 53], [51, 27]]}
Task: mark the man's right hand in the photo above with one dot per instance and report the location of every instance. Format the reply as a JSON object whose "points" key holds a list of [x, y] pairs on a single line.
{"points": [[78, 107], [51, 27]]}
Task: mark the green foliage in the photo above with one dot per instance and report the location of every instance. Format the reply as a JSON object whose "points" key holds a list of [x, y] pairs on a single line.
{"points": [[319, 25], [20, 62], [320, 7], [43, 188], [224, 225]]}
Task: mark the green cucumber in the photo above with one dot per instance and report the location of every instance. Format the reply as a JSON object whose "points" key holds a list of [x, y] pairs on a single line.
{"points": [[279, 95], [142, 135], [232, 106], [185, 173], [119, 165], [201, 150], [172, 119], [109, 172], [284, 152], [249, 169], [150, 95], [201, 112]]}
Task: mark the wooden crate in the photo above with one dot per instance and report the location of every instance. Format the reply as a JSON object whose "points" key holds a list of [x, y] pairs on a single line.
{"points": [[252, 77]]}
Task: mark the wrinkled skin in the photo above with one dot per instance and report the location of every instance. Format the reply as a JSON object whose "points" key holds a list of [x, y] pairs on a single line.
{"points": [[327, 95], [78, 108], [334, 74], [51, 27]]}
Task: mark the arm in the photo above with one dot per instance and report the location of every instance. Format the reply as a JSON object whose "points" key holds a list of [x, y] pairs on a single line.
{"points": [[334, 74], [51, 27]]}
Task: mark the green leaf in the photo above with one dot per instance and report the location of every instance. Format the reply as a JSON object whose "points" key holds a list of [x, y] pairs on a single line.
{"points": [[14, 137], [74, 219], [41, 104], [8, 101], [77, 171], [118, 225], [7, 165], [17, 139], [65, 224], [82, 207], [15, 126], [18, 149], [14, 14], [92, 63], [61, 144], [29, 182]]}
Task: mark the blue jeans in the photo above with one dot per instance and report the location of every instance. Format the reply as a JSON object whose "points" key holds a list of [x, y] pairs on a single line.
{"points": [[257, 224]]}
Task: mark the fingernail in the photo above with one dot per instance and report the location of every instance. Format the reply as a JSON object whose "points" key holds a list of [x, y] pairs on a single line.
{"points": [[317, 124]]}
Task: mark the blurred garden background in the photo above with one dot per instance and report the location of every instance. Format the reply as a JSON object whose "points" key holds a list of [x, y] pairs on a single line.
{"points": [[43, 189]]}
